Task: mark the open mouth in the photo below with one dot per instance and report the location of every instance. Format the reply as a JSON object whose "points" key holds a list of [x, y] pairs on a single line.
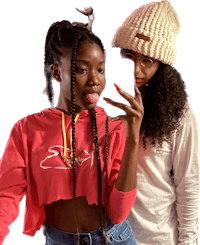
{"points": [[92, 98]]}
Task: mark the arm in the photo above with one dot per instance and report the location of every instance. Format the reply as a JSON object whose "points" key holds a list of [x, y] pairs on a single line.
{"points": [[186, 179], [12, 181], [123, 193]]}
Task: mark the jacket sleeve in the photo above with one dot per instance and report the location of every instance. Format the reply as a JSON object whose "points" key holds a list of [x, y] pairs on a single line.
{"points": [[119, 203], [12, 181], [186, 179]]}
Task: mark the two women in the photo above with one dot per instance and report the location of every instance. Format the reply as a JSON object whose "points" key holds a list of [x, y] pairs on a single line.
{"points": [[166, 206]]}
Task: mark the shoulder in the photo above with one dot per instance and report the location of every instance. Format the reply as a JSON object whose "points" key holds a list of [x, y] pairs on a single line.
{"points": [[116, 125], [113, 125], [33, 119], [117, 131], [188, 118], [188, 125]]}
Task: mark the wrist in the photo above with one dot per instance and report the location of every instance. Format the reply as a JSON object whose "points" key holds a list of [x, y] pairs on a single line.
{"points": [[133, 141], [132, 133]]}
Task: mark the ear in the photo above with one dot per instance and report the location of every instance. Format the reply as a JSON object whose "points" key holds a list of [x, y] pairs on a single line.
{"points": [[55, 71]]}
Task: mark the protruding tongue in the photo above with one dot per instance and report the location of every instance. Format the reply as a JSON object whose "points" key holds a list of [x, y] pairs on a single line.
{"points": [[93, 98]]}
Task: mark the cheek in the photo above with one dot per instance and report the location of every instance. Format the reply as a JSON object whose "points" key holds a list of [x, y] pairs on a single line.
{"points": [[65, 77], [102, 80], [150, 74], [65, 85]]}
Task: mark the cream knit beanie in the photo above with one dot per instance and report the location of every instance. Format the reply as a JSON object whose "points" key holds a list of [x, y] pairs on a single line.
{"points": [[150, 30]]}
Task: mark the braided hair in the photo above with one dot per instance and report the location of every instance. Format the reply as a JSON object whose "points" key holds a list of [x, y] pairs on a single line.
{"points": [[60, 36]]}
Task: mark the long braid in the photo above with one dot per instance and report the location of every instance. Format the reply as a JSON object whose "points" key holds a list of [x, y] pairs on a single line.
{"points": [[73, 72], [96, 142], [49, 86], [107, 154]]}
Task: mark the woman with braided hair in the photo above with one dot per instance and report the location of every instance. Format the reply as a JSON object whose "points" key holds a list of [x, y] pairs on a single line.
{"points": [[166, 207], [76, 166]]}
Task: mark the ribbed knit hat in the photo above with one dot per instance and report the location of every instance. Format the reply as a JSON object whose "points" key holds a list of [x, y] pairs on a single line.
{"points": [[150, 30]]}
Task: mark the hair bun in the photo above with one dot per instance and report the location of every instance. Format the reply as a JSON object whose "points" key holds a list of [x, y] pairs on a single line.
{"points": [[64, 24]]}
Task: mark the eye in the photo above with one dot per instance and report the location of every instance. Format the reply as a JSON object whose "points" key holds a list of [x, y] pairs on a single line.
{"points": [[147, 62], [81, 70], [101, 70]]}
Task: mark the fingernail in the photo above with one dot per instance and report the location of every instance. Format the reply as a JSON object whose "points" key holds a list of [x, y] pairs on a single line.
{"points": [[118, 91], [117, 87], [107, 100], [115, 119]]}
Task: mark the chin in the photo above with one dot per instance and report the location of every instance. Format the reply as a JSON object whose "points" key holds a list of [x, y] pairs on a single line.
{"points": [[86, 107], [139, 85], [91, 106]]}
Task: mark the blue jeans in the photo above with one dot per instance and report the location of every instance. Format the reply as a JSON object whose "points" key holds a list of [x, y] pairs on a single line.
{"points": [[116, 234]]}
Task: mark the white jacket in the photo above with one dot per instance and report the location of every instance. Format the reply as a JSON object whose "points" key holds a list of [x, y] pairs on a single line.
{"points": [[166, 209]]}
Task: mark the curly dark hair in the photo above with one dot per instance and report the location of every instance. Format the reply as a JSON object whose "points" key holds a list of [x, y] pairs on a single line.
{"points": [[164, 105]]}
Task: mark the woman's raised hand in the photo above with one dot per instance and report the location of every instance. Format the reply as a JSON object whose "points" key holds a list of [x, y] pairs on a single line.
{"points": [[134, 112]]}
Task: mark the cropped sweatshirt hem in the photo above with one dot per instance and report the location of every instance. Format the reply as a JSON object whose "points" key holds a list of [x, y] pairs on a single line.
{"points": [[37, 162]]}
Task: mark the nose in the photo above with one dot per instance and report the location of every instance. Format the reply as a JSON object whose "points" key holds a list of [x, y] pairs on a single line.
{"points": [[93, 78], [137, 66]]}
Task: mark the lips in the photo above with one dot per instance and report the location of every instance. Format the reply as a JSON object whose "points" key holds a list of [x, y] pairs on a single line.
{"points": [[138, 79]]}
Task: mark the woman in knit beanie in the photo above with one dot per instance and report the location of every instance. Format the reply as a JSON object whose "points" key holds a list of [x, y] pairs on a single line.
{"points": [[166, 207]]}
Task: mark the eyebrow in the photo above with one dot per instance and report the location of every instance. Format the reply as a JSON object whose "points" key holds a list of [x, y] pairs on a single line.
{"points": [[86, 62], [128, 51]]}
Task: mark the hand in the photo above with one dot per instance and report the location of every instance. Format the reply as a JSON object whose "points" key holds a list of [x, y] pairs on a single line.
{"points": [[134, 113]]}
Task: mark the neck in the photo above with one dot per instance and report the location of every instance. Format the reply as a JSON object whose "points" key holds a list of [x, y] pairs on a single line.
{"points": [[64, 106]]}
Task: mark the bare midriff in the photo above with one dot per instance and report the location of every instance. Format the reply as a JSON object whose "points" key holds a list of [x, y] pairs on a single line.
{"points": [[60, 215]]}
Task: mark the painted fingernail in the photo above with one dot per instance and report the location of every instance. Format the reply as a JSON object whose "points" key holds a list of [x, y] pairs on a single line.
{"points": [[115, 119], [107, 100], [118, 91], [117, 87]]}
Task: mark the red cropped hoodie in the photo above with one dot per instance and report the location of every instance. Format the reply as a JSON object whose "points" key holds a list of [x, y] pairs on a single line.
{"points": [[33, 164]]}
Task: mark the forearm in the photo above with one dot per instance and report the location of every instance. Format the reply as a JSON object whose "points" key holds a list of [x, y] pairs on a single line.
{"points": [[187, 213], [127, 178]]}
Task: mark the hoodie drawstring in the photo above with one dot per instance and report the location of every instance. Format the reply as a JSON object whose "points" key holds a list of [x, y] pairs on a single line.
{"points": [[64, 135]]}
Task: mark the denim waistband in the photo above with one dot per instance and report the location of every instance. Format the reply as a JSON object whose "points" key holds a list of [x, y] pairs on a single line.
{"points": [[65, 235]]}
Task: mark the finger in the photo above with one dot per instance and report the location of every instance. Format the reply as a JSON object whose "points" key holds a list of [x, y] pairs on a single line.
{"points": [[124, 118], [127, 97], [137, 93], [116, 118], [138, 98], [129, 110]]}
